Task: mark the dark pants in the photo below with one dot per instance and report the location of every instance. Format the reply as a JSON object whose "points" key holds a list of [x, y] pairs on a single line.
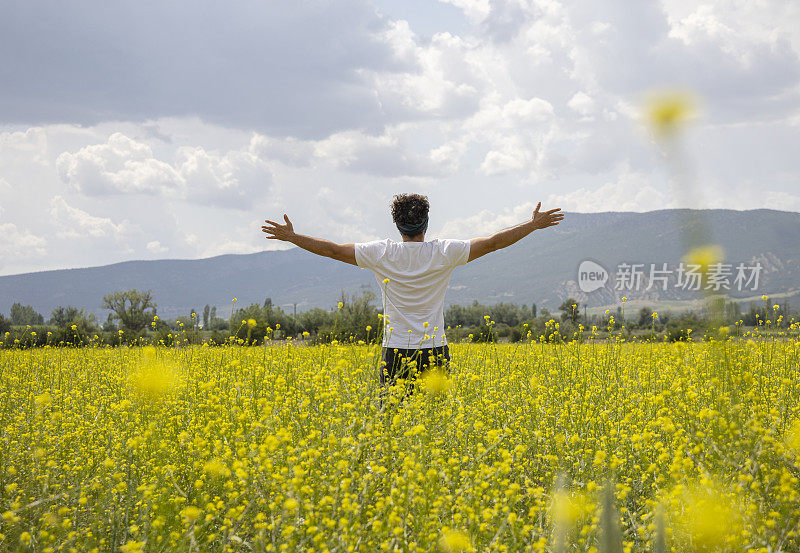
{"points": [[408, 364]]}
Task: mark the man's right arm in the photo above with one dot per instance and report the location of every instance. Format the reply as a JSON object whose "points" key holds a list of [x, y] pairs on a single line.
{"points": [[479, 247], [340, 252]]}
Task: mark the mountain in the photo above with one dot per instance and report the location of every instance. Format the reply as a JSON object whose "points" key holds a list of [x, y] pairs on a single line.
{"points": [[541, 269]]}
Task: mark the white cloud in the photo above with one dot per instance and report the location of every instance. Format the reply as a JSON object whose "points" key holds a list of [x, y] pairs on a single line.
{"points": [[125, 166], [31, 142], [517, 113], [229, 180], [511, 158], [476, 10], [632, 192], [486, 222], [386, 155], [119, 166], [72, 222], [735, 25], [229, 245], [442, 80], [156, 247], [290, 150], [581, 103], [19, 245]]}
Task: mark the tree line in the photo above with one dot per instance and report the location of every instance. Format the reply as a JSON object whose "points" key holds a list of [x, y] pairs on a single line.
{"points": [[133, 318]]}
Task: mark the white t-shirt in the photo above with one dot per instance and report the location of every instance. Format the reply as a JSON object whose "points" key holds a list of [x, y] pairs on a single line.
{"points": [[418, 274]]}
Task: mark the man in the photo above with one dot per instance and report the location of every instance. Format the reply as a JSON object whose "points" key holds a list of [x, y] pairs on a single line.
{"points": [[413, 277]]}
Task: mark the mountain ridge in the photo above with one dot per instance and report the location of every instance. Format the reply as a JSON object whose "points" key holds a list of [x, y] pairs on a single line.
{"points": [[770, 237]]}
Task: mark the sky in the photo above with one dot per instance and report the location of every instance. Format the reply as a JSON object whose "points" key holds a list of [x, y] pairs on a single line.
{"points": [[152, 130]]}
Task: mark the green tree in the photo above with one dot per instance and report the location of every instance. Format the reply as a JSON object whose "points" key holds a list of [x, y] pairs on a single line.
{"points": [[645, 317], [312, 320], [206, 313], [25, 315], [570, 311], [350, 322], [64, 317], [133, 309], [109, 325], [5, 325]]}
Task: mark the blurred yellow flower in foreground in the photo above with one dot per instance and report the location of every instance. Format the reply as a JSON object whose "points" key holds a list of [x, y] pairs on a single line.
{"points": [[132, 547], [215, 468], [453, 541], [153, 376], [705, 256], [436, 381], [710, 518], [668, 110], [190, 514], [251, 323], [793, 437], [567, 508]]}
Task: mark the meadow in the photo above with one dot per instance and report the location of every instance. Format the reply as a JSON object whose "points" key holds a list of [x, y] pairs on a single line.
{"points": [[588, 446]]}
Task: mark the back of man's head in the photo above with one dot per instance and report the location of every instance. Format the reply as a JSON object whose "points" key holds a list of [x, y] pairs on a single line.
{"points": [[410, 214]]}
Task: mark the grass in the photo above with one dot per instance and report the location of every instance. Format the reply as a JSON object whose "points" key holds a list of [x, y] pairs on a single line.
{"points": [[531, 447]]}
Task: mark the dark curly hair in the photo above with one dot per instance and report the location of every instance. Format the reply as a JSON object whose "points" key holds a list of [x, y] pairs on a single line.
{"points": [[410, 211]]}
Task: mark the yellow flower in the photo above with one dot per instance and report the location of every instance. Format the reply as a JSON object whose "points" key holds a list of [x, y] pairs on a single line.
{"points": [[190, 514], [567, 508], [436, 381], [216, 468], [454, 541], [251, 323], [667, 111], [132, 547], [793, 437], [705, 256], [154, 376], [339, 305], [43, 399], [709, 517]]}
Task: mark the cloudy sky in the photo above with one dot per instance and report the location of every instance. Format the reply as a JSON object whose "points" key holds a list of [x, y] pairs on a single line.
{"points": [[150, 129]]}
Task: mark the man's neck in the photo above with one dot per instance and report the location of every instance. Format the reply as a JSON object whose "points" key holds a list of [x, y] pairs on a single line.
{"points": [[417, 238]]}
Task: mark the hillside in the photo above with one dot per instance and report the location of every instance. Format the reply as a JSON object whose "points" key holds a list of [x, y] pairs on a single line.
{"points": [[541, 269]]}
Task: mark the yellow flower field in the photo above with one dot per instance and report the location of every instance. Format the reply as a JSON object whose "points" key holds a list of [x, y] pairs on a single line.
{"points": [[283, 448]]}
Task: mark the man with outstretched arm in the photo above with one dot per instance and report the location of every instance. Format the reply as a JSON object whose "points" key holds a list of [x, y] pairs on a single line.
{"points": [[413, 276]]}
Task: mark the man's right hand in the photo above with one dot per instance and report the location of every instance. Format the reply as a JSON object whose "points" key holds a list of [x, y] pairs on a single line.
{"points": [[546, 218], [277, 231]]}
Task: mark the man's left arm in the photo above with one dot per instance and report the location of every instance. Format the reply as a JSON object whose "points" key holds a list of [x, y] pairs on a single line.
{"points": [[340, 252]]}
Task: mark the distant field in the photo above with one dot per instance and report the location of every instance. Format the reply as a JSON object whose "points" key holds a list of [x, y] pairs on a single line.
{"points": [[284, 449], [678, 306]]}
